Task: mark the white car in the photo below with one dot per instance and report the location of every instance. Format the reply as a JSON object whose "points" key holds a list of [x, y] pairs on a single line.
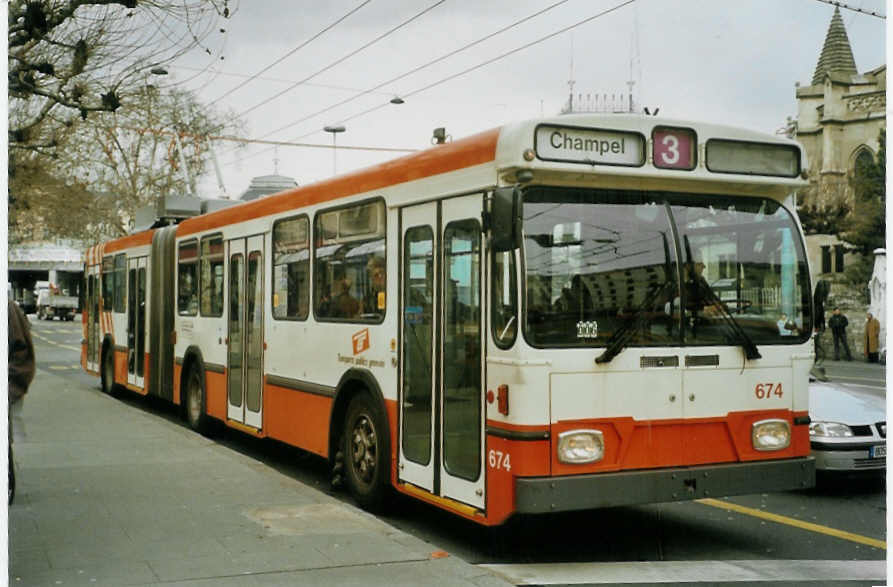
{"points": [[848, 429]]}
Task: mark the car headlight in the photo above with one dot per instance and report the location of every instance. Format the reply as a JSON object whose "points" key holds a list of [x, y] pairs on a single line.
{"points": [[581, 446], [771, 435], [830, 429]]}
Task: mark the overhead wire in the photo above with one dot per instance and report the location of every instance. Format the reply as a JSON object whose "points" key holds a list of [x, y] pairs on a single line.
{"points": [[290, 53], [344, 58], [470, 69], [419, 68], [854, 8], [222, 73], [203, 137]]}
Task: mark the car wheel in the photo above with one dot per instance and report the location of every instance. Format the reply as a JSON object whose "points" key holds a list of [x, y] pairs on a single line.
{"points": [[366, 455]]}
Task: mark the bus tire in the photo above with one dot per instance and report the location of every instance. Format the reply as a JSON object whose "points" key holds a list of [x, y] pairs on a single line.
{"points": [[366, 452], [194, 405], [108, 372]]}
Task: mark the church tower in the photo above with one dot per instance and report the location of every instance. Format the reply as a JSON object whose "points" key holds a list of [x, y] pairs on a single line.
{"points": [[839, 118], [837, 55]]}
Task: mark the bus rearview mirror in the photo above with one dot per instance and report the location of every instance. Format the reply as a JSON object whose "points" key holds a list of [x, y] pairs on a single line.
{"points": [[505, 219]]}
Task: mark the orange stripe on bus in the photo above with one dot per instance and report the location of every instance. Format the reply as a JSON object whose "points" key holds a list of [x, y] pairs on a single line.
{"points": [[133, 240], [474, 150], [631, 444], [298, 418]]}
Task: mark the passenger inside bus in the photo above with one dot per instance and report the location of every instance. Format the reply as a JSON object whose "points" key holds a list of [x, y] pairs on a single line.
{"points": [[374, 300], [344, 305]]}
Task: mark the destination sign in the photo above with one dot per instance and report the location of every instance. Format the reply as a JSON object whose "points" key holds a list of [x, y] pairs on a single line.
{"points": [[589, 145]]}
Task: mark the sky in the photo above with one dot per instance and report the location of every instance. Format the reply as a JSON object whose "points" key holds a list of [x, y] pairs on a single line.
{"points": [[729, 61]]}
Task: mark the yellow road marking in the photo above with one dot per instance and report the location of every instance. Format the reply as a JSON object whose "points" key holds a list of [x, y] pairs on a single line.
{"points": [[48, 341], [717, 503]]}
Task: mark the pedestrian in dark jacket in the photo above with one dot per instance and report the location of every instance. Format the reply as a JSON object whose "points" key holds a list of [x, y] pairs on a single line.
{"points": [[838, 323], [20, 366]]}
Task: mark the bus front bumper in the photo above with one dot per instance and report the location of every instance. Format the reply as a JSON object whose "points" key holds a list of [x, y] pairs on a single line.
{"points": [[537, 495]]}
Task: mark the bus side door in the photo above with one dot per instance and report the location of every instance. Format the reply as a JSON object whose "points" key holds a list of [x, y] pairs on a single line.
{"points": [[91, 307], [442, 400], [136, 320], [245, 331]]}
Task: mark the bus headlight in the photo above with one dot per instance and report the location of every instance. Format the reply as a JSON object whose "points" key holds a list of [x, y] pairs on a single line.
{"points": [[771, 435], [581, 446]]}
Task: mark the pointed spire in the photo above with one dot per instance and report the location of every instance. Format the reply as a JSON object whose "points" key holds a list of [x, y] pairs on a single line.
{"points": [[837, 55]]}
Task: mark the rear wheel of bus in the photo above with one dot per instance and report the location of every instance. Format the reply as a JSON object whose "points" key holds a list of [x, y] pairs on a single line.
{"points": [[365, 450], [108, 372], [195, 400]]}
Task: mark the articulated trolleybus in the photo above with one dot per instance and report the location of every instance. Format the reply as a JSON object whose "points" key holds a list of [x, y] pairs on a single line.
{"points": [[559, 314]]}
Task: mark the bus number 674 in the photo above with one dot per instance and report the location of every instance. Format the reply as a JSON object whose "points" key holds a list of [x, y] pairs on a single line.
{"points": [[499, 460], [767, 390]]}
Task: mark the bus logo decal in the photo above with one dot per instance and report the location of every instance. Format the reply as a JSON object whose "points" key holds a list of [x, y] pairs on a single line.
{"points": [[361, 341]]}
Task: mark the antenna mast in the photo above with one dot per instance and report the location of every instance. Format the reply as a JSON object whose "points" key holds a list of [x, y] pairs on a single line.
{"points": [[570, 81]]}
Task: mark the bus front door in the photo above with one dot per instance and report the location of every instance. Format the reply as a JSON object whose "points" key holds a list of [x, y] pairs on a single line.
{"points": [[136, 320], [245, 332], [92, 322], [442, 401]]}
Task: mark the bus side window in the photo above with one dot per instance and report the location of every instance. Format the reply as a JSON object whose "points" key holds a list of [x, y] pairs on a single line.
{"points": [[108, 283], [187, 279], [291, 269], [212, 276], [503, 296], [350, 273]]}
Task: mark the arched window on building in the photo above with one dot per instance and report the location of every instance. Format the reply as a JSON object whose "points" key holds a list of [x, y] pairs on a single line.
{"points": [[863, 162]]}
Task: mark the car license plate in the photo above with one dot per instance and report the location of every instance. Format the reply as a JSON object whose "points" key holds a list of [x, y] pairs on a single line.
{"points": [[878, 452]]}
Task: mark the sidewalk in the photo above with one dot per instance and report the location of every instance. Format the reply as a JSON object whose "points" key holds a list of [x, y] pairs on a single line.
{"points": [[858, 367], [111, 495]]}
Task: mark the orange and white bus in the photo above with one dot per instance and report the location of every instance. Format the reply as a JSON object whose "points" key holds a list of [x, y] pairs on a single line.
{"points": [[559, 314]]}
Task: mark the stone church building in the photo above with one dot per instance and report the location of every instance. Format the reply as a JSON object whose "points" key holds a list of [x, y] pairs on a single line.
{"points": [[839, 117]]}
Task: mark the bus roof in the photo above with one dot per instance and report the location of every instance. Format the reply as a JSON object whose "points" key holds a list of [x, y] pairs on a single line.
{"points": [[512, 149], [467, 152]]}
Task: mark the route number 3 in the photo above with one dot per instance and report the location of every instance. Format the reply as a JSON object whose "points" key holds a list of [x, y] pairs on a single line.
{"points": [[499, 460], [673, 148], [670, 152], [767, 390]]}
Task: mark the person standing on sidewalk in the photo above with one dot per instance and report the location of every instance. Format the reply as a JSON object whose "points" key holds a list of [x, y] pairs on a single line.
{"points": [[838, 323], [872, 336], [21, 371]]}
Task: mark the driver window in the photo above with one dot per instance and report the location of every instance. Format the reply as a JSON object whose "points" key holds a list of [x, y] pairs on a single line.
{"points": [[503, 299]]}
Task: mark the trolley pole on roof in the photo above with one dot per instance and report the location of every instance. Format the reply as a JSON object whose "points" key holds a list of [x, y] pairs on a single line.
{"points": [[188, 175]]}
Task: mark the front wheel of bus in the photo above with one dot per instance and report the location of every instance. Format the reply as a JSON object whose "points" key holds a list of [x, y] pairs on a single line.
{"points": [[195, 401], [365, 447]]}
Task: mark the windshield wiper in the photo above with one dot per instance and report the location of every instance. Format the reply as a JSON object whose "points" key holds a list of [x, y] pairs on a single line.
{"points": [[706, 292], [625, 332]]}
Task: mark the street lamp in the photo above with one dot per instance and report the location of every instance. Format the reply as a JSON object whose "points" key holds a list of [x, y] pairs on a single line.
{"points": [[334, 130]]}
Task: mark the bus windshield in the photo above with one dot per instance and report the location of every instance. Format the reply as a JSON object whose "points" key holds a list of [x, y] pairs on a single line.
{"points": [[662, 269]]}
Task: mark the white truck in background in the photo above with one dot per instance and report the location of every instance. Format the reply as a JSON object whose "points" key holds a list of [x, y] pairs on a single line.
{"points": [[51, 303]]}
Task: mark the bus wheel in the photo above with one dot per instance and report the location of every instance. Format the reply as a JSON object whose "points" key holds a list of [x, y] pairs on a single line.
{"points": [[108, 372], [195, 401], [365, 446]]}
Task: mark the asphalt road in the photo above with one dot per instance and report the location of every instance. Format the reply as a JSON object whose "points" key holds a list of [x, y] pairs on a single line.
{"points": [[833, 534]]}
